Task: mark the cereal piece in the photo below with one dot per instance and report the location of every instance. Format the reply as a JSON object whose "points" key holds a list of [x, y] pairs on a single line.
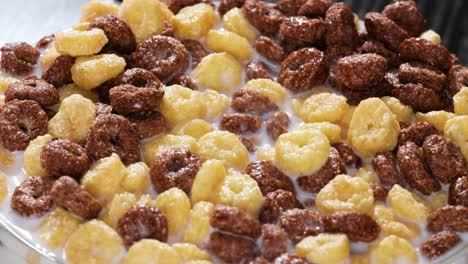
{"points": [[232, 219], [417, 133], [32, 88], [74, 118], [175, 205], [458, 192], [235, 21], [18, 58], [324, 107], [97, 181], [269, 49], [265, 153], [459, 101], [324, 248], [151, 251], [257, 70], [112, 134], [268, 177], [444, 158], [361, 70], [32, 197], [357, 226], [390, 225], [215, 103], [240, 123], [48, 56], [31, 163], [301, 152], [190, 252], [3, 186], [385, 165], [407, 204], [174, 168], [439, 200], [314, 8], [169, 30], [403, 112], [136, 179], [119, 33], [184, 80], [21, 122], [269, 88], [275, 203], [347, 154], [218, 71], [432, 36], [456, 129], [341, 28], [58, 73], [384, 30], [331, 131], [64, 157], [148, 124], [418, 49], [289, 258], [273, 241], [241, 191], [410, 159], [407, 16], [248, 101], [93, 242], [196, 49], [303, 29], [373, 128], [198, 225], [457, 78], [262, 16], [392, 249], [145, 17], [277, 124], [67, 193], [95, 9], [230, 248], [57, 227], [5, 82], [374, 46], [420, 98], [71, 89], [316, 181], [438, 244], [226, 5], [450, 217], [129, 99], [300, 223], [289, 7], [44, 41], [80, 43], [156, 146], [194, 22], [367, 174], [90, 72], [303, 69], [345, 193], [181, 104], [420, 73], [117, 207], [224, 146]]}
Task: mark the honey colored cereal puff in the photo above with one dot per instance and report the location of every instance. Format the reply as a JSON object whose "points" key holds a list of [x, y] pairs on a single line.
{"points": [[181, 104], [136, 179], [31, 162], [301, 152], [226, 41], [460, 102], [198, 226], [156, 146], [5, 82], [432, 36], [267, 87], [188, 252], [175, 205], [207, 181], [373, 128], [71, 89], [403, 112], [95, 8], [407, 204], [324, 248], [456, 129], [151, 251], [218, 71], [90, 72], [93, 242], [3, 187], [117, 207], [80, 43], [57, 227], [265, 153], [331, 131], [324, 107], [392, 249], [235, 21], [216, 103], [390, 224], [194, 22], [194, 128], [435, 118]]}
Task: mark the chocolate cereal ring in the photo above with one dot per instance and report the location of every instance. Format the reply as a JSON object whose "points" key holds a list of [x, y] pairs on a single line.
{"points": [[32, 197], [59, 71], [21, 122], [113, 134], [128, 99], [262, 16], [119, 33], [18, 58], [33, 88], [268, 177], [196, 50], [142, 222], [64, 157], [174, 168], [148, 123]]}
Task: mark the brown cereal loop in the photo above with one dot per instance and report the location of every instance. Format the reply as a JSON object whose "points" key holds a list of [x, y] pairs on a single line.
{"points": [[262, 16], [384, 30], [140, 78], [418, 49], [18, 58], [226, 5], [340, 27], [44, 41], [277, 125], [457, 77], [231, 249], [268, 177], [316, 181], [174, 168], [315, 8], [440, 243], [248, 143], [275, 203], [453, 218], [458, 192], [32, 196], [236, 221], [407, 16], [385, 165], [64, 157], [128, 99], [240, 123], [184, 80], [420, 98], [257, 70], [303, 28], [273, 241], [196, 50], [21, 122], [361, 70], [301, 223], [67, 193], [113, 134], [349, 157], [247, 101], [141, 222], [423, 74], [148, 123], [374, 46], [357, 226], [103, 109], [269, 49], [288, 258], [303, 69], [163, 56], [379, 192], [33, 88], [119, 33], [59, 71], [410, 159], [416, 132], [289, 7]]}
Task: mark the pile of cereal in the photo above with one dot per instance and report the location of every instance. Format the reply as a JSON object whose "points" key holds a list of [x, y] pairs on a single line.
{"points": [[180, 131]]}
